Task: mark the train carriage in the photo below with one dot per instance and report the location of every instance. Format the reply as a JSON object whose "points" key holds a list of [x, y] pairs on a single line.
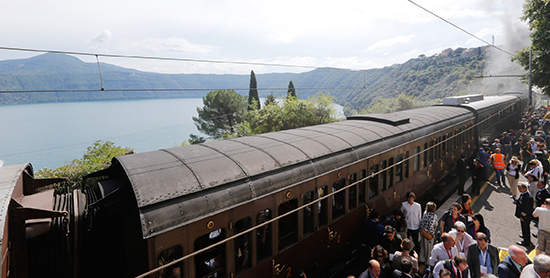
{"points": [[152, 208]]}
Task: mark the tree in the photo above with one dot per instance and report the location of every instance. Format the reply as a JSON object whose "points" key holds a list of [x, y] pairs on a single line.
{"points": [[293, 113], [270, 100], [253, 98], [97, 157], [291, 90], [222, 110], [196, 139], [537, 14]]}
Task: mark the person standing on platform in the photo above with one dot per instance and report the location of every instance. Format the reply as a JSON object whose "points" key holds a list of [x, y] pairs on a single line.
{"points": [[462, 238], [450, 217], [482, 257], [543, 235], [511, 266], [513, 168], [429, 224], [540, 268], [458, 267], [373, 270], [541, 156], [478, 176], [526, 155], [524, 211], [484, 160], [507, 142], [542, 194], [517, 147], [498, 161], [413, 214], [445, 250], [462, 172]]}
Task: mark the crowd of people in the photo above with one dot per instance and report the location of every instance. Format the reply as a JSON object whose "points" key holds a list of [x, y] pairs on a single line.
{"points": [[414, 242]]}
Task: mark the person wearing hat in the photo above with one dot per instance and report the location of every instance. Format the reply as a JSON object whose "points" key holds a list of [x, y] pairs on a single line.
{"points": [[391, 241], [513, 167], [462, 172], [478, 176], [524, 211]]}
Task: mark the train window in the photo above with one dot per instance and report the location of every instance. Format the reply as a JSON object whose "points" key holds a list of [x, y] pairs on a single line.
{"points": [[168, 255], [308, 212], [210, 263], [437, 148], [390, 172], [352, 191], [338, 199], [384, 175], [425, 154], [406, 164], [362, 187], [288, 225], [322, 214], [398, 168], [373, 181], [242, 245], [263, 240], [416, 163]]}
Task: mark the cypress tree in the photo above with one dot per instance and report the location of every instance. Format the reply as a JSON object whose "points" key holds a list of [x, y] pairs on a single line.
{"points": [[253, 93], [291, 90]]}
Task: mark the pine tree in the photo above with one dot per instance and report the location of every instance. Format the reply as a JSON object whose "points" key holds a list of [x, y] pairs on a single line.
{"points": [[253, 98], [291, 90]]}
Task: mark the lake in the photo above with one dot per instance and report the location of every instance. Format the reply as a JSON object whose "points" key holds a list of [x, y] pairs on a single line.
{"points": [[50, 135]]}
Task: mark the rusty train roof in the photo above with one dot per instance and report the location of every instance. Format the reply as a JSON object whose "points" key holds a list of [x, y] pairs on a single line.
{"points": [[181, 185]]}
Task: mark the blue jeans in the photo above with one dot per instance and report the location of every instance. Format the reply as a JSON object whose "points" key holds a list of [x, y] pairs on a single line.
{"points": [[500, 176]]}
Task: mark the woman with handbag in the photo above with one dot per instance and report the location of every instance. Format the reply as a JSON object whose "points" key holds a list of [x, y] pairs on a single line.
{"points": [[513, 168], [428, 228]]}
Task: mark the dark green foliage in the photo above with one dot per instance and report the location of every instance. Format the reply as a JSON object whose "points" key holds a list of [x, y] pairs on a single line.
{"points": [[253, 97], [196, 139], [291, 90], [270, 99], [537, 14], [222, 110], [97, 157]]}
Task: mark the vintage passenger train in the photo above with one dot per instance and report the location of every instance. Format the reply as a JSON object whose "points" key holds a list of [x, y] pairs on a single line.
{"points": [[152, 208]]}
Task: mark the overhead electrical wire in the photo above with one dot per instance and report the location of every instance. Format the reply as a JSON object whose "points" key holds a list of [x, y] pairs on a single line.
{"points": [[461, 29], [169, 90]]}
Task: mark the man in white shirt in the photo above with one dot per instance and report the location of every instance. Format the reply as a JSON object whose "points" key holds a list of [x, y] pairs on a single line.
{"points": [[543, 235], [413, 213], [458, 267], [445, 250]]}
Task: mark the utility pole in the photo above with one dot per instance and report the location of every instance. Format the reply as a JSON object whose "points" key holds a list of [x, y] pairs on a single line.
{"points": [[530, 79]]}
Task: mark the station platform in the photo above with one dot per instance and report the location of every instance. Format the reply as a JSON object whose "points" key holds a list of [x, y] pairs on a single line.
{"points": [[497, 208]]}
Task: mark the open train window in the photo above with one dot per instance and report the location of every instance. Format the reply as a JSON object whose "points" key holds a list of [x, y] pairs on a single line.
{"points": [[308, 212], [338, 199], [416, 163], [263, 240], [288, 225], [242, 245], [167, 256], [210, 263], [363, 187], [352, 191], [373, 182], [322, 213]]}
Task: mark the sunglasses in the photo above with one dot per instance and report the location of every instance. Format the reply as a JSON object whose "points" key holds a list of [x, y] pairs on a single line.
{"points": [[460, 231]]}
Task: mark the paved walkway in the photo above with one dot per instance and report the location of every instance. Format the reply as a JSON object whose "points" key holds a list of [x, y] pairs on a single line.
{"points": [[498, 210]]}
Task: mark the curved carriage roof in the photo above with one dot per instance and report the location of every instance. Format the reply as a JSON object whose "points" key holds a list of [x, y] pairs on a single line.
{"points": [[181, 185]]}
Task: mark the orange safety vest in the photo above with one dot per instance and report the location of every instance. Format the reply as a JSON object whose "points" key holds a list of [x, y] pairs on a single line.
{"points": [[498, 161]]}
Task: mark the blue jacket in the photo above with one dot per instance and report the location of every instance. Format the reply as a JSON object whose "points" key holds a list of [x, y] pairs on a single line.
{"points": [[507, 269]]}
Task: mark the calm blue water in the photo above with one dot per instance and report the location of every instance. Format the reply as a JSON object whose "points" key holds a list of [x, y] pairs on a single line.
{"points": [[52, 134]]}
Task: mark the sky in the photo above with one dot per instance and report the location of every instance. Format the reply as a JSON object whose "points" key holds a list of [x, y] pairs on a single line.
{"points": [[348, 34]]}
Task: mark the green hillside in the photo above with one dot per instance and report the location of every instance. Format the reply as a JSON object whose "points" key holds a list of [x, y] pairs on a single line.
{"points": [[426, 78]]}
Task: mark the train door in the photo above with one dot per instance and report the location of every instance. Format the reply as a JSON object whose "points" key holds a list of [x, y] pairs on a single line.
{"points": [[286, 231], [387, 180], [212, 262], [263, 210], [168, 247], [240, 254]]}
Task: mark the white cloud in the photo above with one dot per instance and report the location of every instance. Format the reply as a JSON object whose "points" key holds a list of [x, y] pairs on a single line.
{"points": [[389, 42], [103, 37]]}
